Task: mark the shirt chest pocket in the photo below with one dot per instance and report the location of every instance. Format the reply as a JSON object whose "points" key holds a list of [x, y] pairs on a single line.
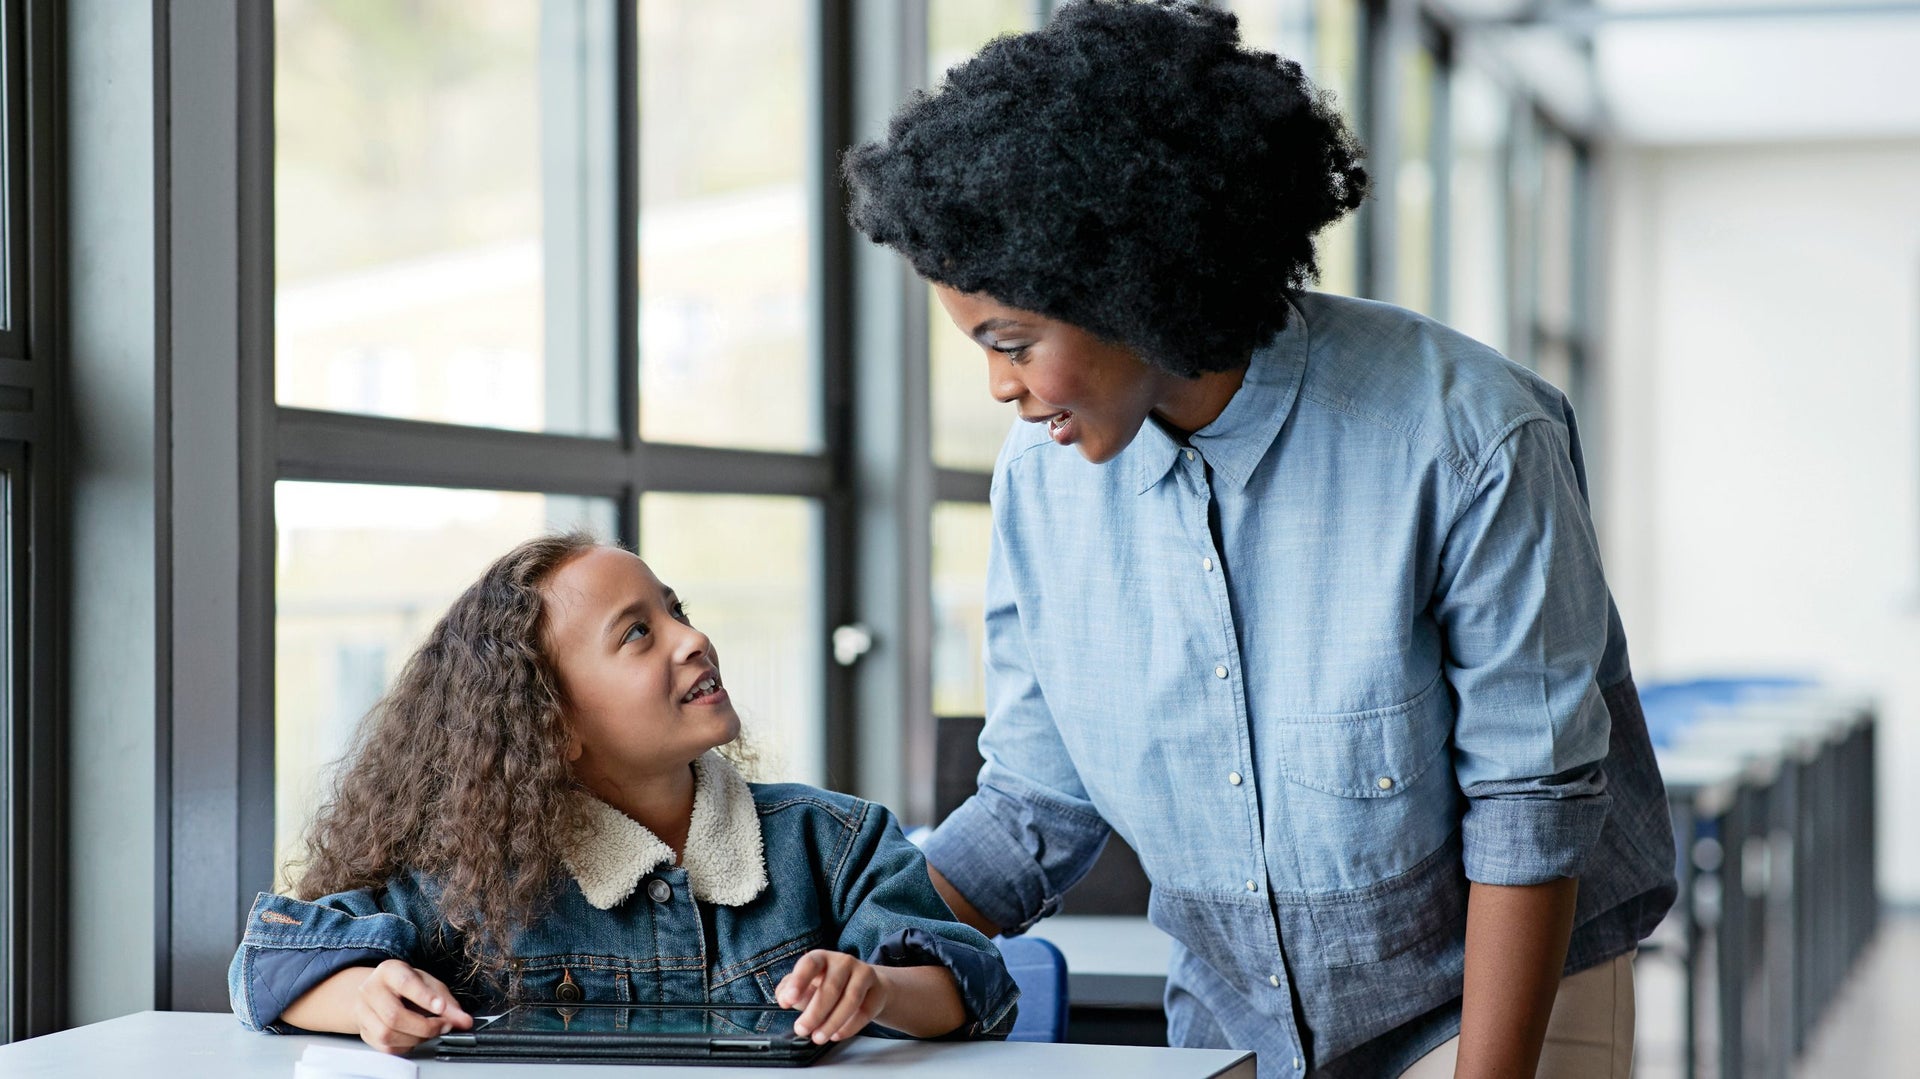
{"points": [[1368, 794]]}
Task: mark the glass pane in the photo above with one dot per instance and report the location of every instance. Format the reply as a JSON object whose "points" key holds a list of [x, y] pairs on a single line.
{"points": [[1477, 275], [1337, 28], [968, 424], [1413, 184], [962, 532], [361, 574], [725, 355], [440, 222], [748, 567]]}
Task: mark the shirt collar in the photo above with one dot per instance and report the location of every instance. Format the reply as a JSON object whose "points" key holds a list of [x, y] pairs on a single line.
{"points": [[725, 859], [1238, 439]]}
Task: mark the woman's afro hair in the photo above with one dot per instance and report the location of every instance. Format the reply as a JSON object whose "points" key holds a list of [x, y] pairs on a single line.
{"points": [[1130, 169]]}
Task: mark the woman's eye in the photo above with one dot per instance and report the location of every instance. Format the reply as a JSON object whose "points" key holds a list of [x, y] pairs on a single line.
{"points": [[635, 632], [1016, 353]]}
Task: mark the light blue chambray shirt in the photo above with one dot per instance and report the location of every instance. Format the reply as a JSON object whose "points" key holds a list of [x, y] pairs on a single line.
{"points": [[1346, 651]]}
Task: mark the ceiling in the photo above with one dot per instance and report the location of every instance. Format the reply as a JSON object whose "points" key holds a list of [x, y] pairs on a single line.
{"points": [[1714, 71]]}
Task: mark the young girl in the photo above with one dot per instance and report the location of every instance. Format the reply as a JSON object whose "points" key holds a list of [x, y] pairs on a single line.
{"points": [[539, 810]]}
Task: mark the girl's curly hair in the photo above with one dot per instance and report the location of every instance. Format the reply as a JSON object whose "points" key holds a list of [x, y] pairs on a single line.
{"points": [[460, 772], [1130, 168]]}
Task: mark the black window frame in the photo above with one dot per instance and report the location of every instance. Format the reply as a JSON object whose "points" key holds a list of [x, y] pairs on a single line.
{"points": [[33, 755]]}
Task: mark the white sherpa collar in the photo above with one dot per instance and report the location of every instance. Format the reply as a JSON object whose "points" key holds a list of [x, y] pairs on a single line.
{"points": [[725, 860]]}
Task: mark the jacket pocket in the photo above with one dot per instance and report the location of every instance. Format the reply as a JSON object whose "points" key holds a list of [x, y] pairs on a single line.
{"points": [[753, 980], [575, 979], [1369, 794]]}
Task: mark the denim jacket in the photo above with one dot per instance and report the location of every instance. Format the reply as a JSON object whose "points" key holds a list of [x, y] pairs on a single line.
{"points": [[724, 925], [1342, 651]]}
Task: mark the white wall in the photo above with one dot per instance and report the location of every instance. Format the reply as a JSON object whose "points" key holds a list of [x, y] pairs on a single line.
{"points": [[1762, 473]]}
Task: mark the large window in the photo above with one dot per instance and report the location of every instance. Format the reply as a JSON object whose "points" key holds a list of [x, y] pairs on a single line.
{"points": [[540, 266]]}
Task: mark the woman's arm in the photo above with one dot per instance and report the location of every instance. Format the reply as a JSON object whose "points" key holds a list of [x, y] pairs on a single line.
{"points": [[1516, 944], [966, 912]]}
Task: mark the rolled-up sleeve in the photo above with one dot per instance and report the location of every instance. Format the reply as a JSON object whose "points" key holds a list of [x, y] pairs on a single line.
{"points": [[292, 945], [1030, 832], [1523, 606]]}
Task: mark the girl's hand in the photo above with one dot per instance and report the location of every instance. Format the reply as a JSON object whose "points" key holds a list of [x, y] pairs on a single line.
{"points": [[401, 1006], [838, 995]]}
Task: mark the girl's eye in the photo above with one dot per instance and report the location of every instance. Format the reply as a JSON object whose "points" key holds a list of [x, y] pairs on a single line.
{"points": [[1015, 353], [680, 612], [635, 632]]}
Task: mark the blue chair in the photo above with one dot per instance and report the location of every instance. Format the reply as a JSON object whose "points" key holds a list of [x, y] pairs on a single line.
{"points": [[1040, 971]]}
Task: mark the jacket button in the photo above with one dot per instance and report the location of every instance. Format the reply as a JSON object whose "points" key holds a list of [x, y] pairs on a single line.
{"points": [[659, 890], [568, 990]]}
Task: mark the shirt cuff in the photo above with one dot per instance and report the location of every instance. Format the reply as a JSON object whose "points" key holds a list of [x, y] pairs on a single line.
{"points": [[1521, 841], [998, 873], [987, 991]]}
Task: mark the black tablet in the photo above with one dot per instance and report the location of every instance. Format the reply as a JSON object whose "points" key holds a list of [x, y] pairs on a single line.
{"points": [[729, 1034]]}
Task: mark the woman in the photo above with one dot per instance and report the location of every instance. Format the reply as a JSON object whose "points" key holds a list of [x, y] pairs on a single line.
{"points": [[1299, 594]]}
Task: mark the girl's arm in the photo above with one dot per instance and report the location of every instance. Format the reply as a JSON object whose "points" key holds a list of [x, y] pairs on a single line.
{"points": [[839, 995], [1516, 944], [392, 1007]]}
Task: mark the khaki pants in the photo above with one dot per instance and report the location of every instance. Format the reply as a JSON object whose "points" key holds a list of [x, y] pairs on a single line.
{"points": [[1589, 1035]]}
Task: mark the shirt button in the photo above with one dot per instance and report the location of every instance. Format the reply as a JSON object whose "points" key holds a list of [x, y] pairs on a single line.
{"points": [[1233, 778], [1273, 980], [1189, 455], [659, 890], [1296, 1063], [1252, 887], [1385, 784], [1207, 564], [1219, 672]]}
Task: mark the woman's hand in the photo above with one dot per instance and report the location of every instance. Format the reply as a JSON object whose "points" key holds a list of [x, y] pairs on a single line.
{"points": [[399, 1006], [837, 995]]}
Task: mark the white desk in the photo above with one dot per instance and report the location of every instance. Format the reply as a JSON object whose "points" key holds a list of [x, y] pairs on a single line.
{"points": [[197, 1045]]}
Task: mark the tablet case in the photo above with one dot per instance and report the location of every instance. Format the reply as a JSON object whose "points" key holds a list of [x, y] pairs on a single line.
{"points": [[731, 1035]]}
